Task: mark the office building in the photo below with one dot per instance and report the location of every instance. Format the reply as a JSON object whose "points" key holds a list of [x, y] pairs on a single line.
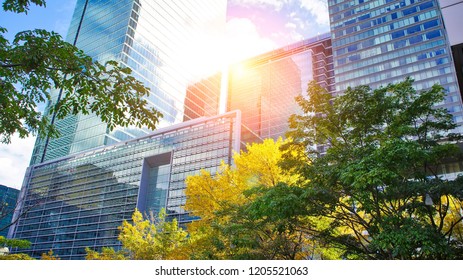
{"points": [[202, 99], [264, 87], [150, 37], [451, 13], [8, 197], [80, 200], [383, 41]]}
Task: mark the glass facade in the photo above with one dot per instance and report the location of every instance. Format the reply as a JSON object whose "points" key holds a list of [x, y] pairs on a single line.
{"points": [[8, 198], [150, 38], [79, 201], [202, 99], [263, 88], [383, 41]]}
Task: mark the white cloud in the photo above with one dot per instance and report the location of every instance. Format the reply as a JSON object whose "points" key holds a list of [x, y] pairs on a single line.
{"points": [[276, 4], [14, 159], [319, 9], [290, 25], [291, 20], [244, 41]]}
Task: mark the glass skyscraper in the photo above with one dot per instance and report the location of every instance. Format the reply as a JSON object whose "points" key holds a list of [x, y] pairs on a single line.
{"points": [[150, 37], [383, 41], [80, 200], [264, 87]]}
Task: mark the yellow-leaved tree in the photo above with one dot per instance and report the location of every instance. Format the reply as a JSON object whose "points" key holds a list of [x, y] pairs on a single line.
{"points": [[143, 239], [229, 226]]}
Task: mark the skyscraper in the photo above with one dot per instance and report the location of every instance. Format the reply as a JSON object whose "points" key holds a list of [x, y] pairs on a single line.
{"points": [[264, 87], [202, 99], [80, 200], [150, 37], [383, 41]]}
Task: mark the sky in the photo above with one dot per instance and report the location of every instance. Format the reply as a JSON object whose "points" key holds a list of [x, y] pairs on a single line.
{"points": [[254, 27]]}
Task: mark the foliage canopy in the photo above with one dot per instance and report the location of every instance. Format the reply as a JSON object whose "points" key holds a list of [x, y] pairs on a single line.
{"points": [[378, 184]]}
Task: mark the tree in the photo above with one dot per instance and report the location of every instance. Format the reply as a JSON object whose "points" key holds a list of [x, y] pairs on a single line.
{"points": [[14, 243], [146, 240], [105, 254], [377, 186], [37, 62], [233, 214], [49, 256], [16, 257]]}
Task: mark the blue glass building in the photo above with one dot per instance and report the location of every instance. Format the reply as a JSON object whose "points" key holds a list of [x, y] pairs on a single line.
{"points": [[378, 42], [150, 37], [80, 200]]}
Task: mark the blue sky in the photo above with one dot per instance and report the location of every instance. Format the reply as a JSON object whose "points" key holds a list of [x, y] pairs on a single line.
{"points": [[262, 24], [282, 21], [55, 16]]}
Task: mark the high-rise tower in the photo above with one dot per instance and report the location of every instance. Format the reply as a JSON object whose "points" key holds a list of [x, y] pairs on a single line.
{"points": [[264, 87], [150, 37], [383, 41]]}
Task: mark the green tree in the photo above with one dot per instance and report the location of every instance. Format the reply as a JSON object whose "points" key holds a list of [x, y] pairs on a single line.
{"points": [[38, 61], [14, 243], [377, 186], [16, 257], [143, 239]]}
